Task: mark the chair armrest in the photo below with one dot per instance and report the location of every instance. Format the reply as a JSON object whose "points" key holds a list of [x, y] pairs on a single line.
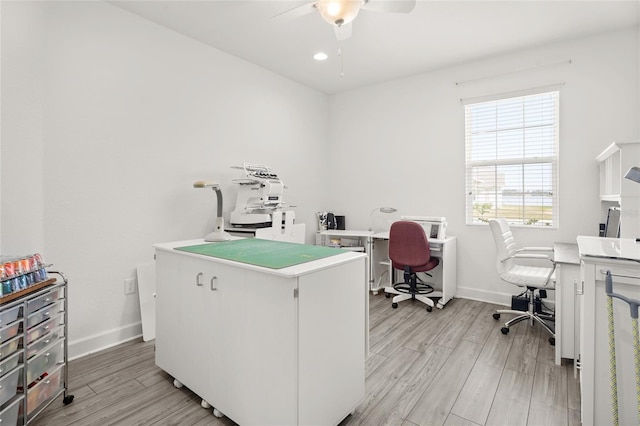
{"points": [[530, 256], [535, 249]]}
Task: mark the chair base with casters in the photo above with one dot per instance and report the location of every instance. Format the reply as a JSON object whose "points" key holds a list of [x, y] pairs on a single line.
{"points": [[410, 289], [529, 315]]}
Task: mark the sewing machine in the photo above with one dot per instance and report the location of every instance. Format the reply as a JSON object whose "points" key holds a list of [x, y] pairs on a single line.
{"points": [[259, 195], [435, 227]]}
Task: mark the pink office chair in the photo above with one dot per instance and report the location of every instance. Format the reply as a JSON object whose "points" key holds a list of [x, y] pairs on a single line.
{"points": [[409, 251]]}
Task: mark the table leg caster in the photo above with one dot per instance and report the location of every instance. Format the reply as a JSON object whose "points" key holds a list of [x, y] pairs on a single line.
{"points": [[217, 413], [205, 404], [177, 384]]}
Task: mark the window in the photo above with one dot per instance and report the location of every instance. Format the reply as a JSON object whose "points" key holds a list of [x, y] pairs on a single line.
{"points": [[512, 159]]}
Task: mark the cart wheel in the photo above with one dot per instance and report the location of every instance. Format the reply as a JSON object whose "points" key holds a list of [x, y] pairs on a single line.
{"points": [[205, 404], [552, 341], [496, 316], [217, 413], [67, 399], [505, 330], [387, 295], [177, 384], [394, 305], [429, 308]]}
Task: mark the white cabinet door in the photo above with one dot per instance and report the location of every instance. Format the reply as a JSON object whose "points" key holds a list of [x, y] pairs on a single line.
{"points": [[196, 325], [224, 337], [201, 306]]}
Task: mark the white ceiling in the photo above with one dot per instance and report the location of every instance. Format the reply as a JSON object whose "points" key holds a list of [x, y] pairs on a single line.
{"points": [[383, 46]]}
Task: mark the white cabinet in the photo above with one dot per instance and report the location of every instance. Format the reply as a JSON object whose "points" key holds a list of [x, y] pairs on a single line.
{"points": [[615, 190], [598, 255], [263, 346]]}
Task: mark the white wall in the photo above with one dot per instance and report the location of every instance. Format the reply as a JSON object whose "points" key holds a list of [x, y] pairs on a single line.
{"points": [[112, 118], [108, 119], [22, 130], [401, 143]]}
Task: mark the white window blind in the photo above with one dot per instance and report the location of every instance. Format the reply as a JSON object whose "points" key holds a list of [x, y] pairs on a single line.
{"points": [[512, 159]]}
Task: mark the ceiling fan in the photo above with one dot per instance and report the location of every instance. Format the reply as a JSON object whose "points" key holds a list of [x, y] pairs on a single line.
{"points": [[340, 13]]}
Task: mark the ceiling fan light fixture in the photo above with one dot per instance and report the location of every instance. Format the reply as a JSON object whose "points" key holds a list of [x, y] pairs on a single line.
{"points": [[338, 12]]}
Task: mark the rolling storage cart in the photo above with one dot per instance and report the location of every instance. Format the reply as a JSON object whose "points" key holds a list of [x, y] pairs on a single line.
{"points": [[33, 349]]}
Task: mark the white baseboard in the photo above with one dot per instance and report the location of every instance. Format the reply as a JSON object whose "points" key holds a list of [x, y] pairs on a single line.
{"points": [[107, 339], [484, 295], [503, 299]]}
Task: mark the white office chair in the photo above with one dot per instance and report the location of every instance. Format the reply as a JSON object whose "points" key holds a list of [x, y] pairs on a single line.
{"points": [[512, 270]]}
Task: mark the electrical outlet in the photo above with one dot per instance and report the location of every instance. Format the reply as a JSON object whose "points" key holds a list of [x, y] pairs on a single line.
{"points": [[129, 286]]}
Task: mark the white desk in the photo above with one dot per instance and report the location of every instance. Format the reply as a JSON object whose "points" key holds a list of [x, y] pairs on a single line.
{"points": [[264, 346], [622, 258], [324, 237], [445, 273], [444, 249]]}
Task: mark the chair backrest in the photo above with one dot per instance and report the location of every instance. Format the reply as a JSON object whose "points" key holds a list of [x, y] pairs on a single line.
{"points": [[408, 244], [505, 244]]}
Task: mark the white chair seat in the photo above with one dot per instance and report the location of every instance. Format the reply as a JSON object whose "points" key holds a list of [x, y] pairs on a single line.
{"points": [[528, 276]]}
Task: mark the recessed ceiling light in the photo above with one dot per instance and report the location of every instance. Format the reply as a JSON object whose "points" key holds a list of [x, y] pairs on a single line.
{"points": [[320, 56]]}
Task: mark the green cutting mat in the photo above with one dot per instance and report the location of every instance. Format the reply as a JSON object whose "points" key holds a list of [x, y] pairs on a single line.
{"points": [[267, 253]]}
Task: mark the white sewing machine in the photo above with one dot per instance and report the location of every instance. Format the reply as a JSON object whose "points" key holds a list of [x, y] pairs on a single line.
{"points": [[435, 227], [259, 195]]}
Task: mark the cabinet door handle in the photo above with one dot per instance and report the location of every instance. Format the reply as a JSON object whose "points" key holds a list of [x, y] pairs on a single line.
{"points": [[213, 287], [199, 279]]}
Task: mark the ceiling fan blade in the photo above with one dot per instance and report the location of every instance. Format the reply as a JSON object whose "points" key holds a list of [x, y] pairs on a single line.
{"points": [[392, 6], [296, 12], [343, 32]]}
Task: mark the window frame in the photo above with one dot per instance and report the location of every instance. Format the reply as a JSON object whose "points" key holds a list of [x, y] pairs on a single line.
{"points": [[552, 160]]}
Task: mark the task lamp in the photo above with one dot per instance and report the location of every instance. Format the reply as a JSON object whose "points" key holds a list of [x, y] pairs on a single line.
{"points": [[218, 234], [381, 210]]}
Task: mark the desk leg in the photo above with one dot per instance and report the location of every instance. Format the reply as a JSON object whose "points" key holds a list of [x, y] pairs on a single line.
{"points": [[449, 280], [370, 277]]}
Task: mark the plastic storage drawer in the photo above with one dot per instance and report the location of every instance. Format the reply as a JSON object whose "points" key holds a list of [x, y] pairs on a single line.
{"points": [[43, 390], [45, 361], [9, 384], [10, 315], [44, 328], [44, 313], [44, 300], [35, 347], [9, 363], [9, 347], [9, 415], [10, 331]]}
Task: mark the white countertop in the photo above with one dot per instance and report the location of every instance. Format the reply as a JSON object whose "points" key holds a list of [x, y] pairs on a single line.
{"points": [[611, 248]]}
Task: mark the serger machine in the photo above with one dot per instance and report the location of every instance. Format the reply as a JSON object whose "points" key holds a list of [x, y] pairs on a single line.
{"points": [[259, 195]]}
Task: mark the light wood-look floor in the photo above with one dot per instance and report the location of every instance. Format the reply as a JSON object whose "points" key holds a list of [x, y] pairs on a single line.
{"points": [[446, 367]]}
